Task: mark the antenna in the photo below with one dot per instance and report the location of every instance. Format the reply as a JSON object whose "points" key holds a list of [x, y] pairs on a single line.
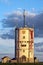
{"points": [[24, 17]]}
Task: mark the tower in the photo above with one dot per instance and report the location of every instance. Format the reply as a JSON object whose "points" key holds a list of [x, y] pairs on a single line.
{"points": [[24, 40]]}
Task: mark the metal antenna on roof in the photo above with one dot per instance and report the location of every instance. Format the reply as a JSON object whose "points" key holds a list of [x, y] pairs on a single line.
{"points": [[24, 17]]}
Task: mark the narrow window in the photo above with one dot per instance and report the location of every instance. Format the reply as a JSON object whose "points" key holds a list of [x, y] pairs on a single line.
{"points": [[23, 37], [23, 50], [31, 34]]}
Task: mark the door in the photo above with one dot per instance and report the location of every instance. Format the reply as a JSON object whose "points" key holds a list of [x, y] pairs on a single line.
{"points": [[23, 58]]}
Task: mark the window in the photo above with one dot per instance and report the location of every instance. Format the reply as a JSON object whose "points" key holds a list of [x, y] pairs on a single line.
{"points": [[23, 45], [20, 41], [23, 50], [27, 41], [23, 37], [31, 34]]}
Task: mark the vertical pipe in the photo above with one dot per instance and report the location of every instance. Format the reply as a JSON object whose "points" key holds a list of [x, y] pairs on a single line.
{"points": [[15, 43], [16, 40]]}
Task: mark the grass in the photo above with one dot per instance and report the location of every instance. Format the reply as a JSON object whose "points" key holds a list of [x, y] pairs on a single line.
{"points": [[21, 64]]}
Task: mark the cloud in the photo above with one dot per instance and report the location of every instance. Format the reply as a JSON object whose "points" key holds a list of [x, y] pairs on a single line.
{"points": [[29, 14], [6, 46], [15, 18], [33, 9], [7, 33], [38, 44], [39, 56], [38, 52], [38, 48], [19, 12], [38, 40], [20, 9]]}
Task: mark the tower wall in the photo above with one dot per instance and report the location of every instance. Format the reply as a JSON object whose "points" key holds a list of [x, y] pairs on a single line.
{"points": [[25, 45]]}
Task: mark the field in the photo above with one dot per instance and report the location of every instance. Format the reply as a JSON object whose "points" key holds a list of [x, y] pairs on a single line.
{"points": [[21, 64]]}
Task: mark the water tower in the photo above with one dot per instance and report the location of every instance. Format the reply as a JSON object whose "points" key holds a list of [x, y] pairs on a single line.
{"points": [[24, 44]]}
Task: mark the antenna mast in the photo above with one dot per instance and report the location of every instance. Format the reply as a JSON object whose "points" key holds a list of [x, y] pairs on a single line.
{"points": [[24, 17]]}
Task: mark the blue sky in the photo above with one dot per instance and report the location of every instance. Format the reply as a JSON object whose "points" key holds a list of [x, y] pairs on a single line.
{"points": [[7, 6], [11, 16]]}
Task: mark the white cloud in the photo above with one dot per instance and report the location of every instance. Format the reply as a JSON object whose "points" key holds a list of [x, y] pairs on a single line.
{"points": [[33, 10], [7, 45], [6, 30], [16, 18], [39, 56], [19, 12], [38, 49], [27, 13], [38, 40], [19, 9], [7, 14], [6, 42]]}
